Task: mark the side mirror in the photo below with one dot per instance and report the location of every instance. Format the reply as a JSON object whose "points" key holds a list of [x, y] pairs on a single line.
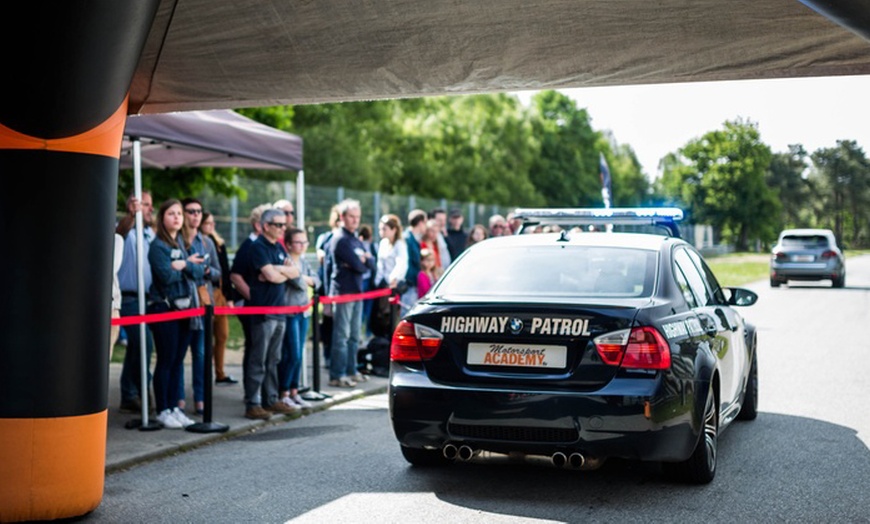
{"points": [[738, 296]]}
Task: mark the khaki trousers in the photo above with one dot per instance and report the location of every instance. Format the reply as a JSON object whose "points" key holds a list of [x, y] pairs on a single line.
{"points": [[221, 333]]}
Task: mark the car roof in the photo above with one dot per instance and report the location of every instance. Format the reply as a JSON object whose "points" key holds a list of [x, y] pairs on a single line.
{"points": [[805, 231], [582, 238]]}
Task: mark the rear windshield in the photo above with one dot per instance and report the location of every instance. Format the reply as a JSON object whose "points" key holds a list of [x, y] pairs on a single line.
{"points": [[550, 272], [805, 241]]}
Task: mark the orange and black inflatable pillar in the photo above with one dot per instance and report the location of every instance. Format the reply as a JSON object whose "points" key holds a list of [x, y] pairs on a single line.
{"points": [[62, 115]]}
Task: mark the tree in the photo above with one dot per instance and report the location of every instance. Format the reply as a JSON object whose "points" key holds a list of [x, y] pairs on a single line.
{"points": [[787, 176], [721, 178], [842, 177], [566, 170]]}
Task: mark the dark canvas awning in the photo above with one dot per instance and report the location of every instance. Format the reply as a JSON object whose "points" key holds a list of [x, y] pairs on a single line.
{"points": [[218, 138], [211, 54]]}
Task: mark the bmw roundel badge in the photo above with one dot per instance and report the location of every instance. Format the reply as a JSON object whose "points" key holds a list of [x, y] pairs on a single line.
{"points": [[516, 326]]}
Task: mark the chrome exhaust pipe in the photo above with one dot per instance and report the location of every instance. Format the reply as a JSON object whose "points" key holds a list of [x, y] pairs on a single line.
{"points": [[576, 460], [559, 459], [449, 451], [466, 453]]}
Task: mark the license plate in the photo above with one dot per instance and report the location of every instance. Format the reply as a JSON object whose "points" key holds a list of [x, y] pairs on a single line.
{"points": [[517, 355], [803, 258]]}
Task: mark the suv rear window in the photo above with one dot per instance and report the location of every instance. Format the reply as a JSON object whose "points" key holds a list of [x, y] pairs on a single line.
{"points": [[804, 241], [550, 272]]}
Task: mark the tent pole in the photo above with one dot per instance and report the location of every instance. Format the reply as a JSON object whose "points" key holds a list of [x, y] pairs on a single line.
{"points": [[300, 223], [144, 425]]}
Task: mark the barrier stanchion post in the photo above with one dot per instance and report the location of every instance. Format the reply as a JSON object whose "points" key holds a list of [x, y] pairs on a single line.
{"points": [[207, 426], [314, 393]]}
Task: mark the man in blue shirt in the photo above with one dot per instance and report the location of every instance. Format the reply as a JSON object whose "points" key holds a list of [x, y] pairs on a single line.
{"points": [[270, 270], [128, 281], [349, 260]]}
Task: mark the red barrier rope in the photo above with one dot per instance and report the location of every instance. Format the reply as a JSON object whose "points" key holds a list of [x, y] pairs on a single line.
{"points": [[251, 310], [341, 299], [159, 317], [262, 310]]}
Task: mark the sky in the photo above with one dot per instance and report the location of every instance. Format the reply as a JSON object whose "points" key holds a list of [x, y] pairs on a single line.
{"points": [[658, 119]]}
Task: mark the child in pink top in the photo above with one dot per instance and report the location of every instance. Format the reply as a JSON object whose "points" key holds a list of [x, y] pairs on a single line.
{"points": [[427, 276]]}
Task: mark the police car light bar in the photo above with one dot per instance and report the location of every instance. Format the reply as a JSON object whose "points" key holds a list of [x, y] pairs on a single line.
{"points": [[657, 216]]}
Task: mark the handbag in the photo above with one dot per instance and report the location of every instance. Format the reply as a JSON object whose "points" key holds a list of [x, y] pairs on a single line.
{"points": [[204, 296], [183, 298]]}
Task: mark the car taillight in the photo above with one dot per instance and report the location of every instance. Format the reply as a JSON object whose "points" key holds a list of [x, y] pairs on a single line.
{"points": [[414, 342], [635, 348], [829, 254], [780, 256]]}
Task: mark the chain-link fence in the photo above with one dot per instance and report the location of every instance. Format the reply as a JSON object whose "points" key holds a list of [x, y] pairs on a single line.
{"points": [[232, 216]]}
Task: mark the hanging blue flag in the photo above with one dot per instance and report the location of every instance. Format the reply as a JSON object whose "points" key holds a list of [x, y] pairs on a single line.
{"points": [[604, 173]]}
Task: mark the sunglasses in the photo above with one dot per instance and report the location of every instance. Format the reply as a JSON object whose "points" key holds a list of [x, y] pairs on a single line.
{"points": [[277, 224], [498, 226], [290, 213], [193, 211]]}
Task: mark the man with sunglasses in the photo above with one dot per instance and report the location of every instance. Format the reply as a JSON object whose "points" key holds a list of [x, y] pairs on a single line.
{"points": [[271, 269]]}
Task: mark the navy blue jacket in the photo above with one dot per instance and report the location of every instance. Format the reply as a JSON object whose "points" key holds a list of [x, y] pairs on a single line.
{"points": [[347, 268]]}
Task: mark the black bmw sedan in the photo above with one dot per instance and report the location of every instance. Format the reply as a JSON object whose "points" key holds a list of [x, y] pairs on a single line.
{"points": [[576, 346]]}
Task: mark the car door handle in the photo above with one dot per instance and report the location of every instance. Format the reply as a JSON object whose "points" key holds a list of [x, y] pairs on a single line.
{"points": [[709, 325]]}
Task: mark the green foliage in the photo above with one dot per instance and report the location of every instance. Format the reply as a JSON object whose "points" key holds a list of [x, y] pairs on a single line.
{"points": [[842, 180], [491, 149], [179, 183], [721, 178], [787, 177], [566, 170]]}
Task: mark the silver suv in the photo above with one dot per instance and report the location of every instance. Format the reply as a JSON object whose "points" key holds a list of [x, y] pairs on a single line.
{"points": [[807, 254]]}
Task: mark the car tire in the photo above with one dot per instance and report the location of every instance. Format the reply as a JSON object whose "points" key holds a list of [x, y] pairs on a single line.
{"points": [[700, 467], [424, 458], [749, 409], [774, 282], [839, 282]]}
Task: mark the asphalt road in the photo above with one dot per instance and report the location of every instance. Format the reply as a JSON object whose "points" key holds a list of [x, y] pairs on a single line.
{"points": [[805, 459]]}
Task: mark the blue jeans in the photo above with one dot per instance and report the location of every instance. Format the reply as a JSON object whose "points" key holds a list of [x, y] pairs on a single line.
{"points": [[131, 378], [345, 339], [291, 351], [170, 340], [197, 354]]}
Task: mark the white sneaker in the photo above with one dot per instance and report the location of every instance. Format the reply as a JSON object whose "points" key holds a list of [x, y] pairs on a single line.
{"points": [[287, 401], [168, 420], [301, 402], [359, 377], [182, 419]]}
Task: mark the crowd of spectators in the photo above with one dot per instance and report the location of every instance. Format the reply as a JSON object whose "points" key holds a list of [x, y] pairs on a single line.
{"points": [[185, 264]]}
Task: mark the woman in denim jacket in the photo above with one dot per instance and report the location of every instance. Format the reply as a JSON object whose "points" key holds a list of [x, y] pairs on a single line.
{"points": [[173, 271], [296, 332]]}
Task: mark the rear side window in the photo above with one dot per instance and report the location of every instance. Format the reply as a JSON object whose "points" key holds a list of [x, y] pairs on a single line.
{"points": [[804, 241], [551, 272], [693, 277]]}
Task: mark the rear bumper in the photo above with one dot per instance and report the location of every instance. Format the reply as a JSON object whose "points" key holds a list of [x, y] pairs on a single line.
{"points": [[815, 271], [627, 419]]}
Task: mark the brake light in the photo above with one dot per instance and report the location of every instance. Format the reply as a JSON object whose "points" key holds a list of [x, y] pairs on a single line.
{"points": [[414, 342], [829, 254], [636, 348], [780, 256]]}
